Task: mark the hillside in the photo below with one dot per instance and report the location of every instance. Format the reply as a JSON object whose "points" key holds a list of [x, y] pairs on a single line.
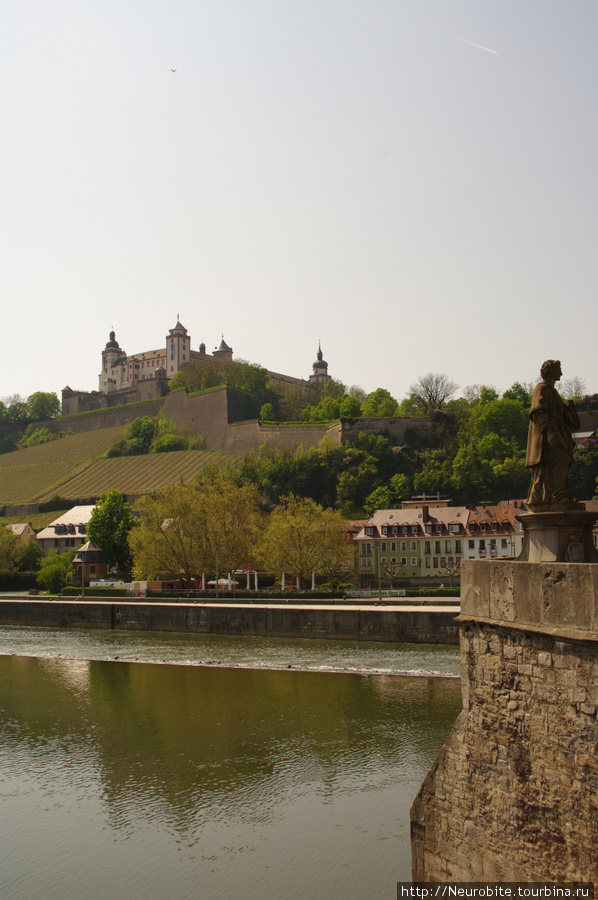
{"points": [[75, 466]]}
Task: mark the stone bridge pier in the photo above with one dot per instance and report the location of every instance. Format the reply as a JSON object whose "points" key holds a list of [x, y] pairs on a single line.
{"points": [[513, 794]]}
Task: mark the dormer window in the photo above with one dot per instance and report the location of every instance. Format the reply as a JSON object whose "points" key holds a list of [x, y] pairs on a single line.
{"points": [[404, 530], [369, 531], [414, 529], [385, 529], [439, 529], [483, 526], [494, 526]]}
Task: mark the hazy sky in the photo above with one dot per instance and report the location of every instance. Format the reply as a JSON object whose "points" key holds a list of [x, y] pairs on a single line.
{"points": [[414, 182]]}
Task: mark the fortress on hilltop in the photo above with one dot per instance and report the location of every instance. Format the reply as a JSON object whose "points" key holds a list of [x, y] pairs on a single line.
{"points": [[144, 376], [228, 419]]}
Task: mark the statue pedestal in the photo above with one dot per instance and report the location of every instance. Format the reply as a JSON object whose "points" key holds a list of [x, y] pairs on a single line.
{"points": [[558, 533]]}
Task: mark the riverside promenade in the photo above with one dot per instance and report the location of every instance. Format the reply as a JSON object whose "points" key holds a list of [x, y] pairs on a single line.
{"points": [[404, 620]]}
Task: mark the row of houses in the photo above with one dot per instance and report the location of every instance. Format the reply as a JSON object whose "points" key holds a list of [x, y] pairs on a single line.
{"points": [[430, 539]]}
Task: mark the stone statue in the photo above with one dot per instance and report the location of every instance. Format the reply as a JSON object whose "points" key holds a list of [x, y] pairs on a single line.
{"points": [[549, 444]]}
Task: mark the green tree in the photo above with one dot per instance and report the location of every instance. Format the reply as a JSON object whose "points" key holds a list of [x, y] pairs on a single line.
{"points": [[55, 570], [43, 405], [267, 412], [349, 407], [379, 403], [187, 530], [507, 418], [109, 527], [302, 537], [518, 392], [8, 552], [34, 436]]}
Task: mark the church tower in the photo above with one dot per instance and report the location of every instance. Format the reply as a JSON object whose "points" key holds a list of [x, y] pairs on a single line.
{"points": [[320, 370], [178, 348], [112, 357]]}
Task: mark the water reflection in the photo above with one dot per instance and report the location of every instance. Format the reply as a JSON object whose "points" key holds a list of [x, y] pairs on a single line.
{"points": [[214, 782]]}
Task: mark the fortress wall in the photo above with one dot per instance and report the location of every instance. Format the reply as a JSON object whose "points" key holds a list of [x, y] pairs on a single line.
{"points": [[228, 420], [205, 414], [396, 426], [513, 794], [104, 418], [245, 436]]}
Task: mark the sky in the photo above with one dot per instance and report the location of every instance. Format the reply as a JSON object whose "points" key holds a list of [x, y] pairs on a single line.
{"points": [[411, 182]]}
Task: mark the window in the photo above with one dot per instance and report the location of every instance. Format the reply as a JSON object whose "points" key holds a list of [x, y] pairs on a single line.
{"points": [[383, 560], [447, 546], [403, 560], [472, 527], [483, 526], [443, 562], [414, 560], [393, 546], [366, 549], [414, 529], [383, 546], [435, 562], [393, 559], [414, 545], [483, 546], [494, 526], [436, 546], [439, 529], [454, 529], [504, 544], [395, 530], [450, 560], [92, 570], [428, 529], [369, 530], [427, 547], [404, 529], [385, 529], [428, 563], [366, 563], [403, 545], [471, 545], [458, 547]]}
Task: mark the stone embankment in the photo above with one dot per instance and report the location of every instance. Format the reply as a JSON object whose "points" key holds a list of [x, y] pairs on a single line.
{"points": [[425, 623], [513, 794]]}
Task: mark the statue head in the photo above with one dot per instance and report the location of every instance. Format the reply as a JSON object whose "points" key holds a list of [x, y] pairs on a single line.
{"points": [[551, 369]]}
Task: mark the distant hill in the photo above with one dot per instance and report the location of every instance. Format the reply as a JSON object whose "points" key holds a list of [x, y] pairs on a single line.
{"points": [[76, 466]]}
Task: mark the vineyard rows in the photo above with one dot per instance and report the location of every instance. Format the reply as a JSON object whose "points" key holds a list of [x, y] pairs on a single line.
{"points": [[73, 467], [72, 448], [141, 474]]}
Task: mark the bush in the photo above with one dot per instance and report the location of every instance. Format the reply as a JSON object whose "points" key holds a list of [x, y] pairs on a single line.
{"points": [[170, 442]]}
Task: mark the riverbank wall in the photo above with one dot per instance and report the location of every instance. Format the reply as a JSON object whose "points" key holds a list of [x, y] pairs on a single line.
{"points": [[513, 794], [407, 625]]}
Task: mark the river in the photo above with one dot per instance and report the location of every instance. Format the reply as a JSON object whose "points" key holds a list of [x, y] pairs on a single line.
{"points": [[138, 766]]}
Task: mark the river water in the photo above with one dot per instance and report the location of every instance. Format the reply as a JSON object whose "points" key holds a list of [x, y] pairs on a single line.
{"points": [[136, 766]]}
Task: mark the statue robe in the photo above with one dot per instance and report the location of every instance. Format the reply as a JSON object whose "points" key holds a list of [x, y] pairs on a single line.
{"points": [[549, 446]]}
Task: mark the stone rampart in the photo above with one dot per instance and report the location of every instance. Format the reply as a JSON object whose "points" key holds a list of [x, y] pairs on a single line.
{"points": [[513, 794], [228, 421], [403, 428]]}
